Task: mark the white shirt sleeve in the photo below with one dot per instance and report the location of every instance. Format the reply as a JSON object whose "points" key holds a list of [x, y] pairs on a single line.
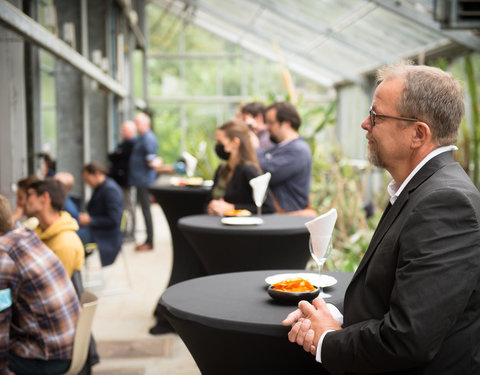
{"points": [[337, 315]]}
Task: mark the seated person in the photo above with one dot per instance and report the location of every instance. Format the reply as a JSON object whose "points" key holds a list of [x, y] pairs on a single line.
{"points": [[38, 306], [68, 181], [289, 161], [231, 188], [102, 223], [19, 212], [56, 228]]}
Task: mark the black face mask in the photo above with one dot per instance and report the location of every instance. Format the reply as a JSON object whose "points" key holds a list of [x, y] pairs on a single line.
{"points": [[221, 153]]}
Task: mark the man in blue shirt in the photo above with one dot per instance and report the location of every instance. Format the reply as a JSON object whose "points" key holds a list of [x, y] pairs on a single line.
{"points": [[142, 172], [289, 161]]}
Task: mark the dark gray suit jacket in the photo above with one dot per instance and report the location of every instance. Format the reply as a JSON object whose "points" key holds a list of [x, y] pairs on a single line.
{"points": [[413, 306]]}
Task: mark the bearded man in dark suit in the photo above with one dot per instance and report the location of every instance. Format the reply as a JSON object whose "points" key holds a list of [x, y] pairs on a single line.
{"points": [[413, 305]]}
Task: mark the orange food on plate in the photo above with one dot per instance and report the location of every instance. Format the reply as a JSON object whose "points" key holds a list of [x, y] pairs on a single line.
{"points": [[233, 212], [295, 284]]}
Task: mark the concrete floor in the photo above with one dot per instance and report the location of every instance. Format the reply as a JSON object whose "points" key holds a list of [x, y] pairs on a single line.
{"points": [[129, 293]]}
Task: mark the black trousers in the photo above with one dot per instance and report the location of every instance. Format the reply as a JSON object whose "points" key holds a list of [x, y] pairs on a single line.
{"points": [[143, 197]]}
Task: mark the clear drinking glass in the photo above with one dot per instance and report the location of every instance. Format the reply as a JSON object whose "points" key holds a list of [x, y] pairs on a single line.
{"points": [[320, 249], [259, 205]]}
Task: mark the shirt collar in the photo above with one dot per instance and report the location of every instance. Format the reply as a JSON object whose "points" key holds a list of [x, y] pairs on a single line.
{"points": [[394, 190]]}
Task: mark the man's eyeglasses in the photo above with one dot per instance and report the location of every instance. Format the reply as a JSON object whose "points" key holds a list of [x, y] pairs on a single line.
{"points": [[374, 115]]}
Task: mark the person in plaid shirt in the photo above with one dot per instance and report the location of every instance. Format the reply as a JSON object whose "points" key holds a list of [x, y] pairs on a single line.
{"points": [[38, 304]]}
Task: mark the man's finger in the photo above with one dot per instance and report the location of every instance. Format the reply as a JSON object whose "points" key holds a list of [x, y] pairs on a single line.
{"points": [[292, 318], [306, 308], [319, 304], [302, 331], [308, 341], [292, 335]]}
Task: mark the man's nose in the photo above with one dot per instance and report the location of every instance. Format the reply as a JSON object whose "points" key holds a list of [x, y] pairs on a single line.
{"points": [[366, 125]]}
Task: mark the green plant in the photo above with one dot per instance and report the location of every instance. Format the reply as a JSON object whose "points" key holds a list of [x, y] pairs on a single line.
{"points": [[339, 184], [475, 144]]}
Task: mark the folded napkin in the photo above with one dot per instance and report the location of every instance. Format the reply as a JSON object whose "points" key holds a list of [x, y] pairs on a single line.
{"points": [[190, 163], [259, 186], [321, 229]]}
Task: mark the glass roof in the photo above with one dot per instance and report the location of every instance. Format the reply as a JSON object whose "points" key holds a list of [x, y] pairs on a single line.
{"points": [[331, 41]]}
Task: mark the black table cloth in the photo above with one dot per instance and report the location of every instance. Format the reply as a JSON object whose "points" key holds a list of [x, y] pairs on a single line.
{"points": [[280, 242], [177, 202], [232, 326]]}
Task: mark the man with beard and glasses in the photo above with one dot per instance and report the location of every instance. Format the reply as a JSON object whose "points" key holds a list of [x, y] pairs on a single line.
{"points": [[289, 161], [413, 305]]}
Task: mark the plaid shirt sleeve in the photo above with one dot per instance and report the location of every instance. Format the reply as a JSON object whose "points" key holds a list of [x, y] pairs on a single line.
{"points": [[8, 281], [45, 307]]}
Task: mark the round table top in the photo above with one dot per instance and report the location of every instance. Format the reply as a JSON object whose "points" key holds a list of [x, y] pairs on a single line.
{"points": [[180, 189], [239, 301], [272, 224]]}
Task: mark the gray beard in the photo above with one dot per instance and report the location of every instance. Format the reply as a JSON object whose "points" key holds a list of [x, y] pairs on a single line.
{"points": [[374, 158]]}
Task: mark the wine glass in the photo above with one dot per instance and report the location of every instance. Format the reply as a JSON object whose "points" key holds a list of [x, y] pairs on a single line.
{"points": [[320, 249], [259, 186], [259, 204]]}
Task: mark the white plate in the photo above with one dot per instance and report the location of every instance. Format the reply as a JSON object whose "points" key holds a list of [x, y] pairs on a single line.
{"points": [[240, 220], [323, 281]]}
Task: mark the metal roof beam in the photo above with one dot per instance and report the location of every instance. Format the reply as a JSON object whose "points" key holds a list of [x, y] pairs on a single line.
{"points": [[132, 19], [463, 38], [251, 47], [298, 19], [268, 54], [259, 34], [32, 31]]}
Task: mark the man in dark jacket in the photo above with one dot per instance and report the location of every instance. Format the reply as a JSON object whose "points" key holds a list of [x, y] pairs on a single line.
{"points": [[105, 209], [413, 305], [119, 167]]}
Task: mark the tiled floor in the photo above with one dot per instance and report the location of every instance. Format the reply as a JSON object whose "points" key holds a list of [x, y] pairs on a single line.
{"points": [[132, 286]]}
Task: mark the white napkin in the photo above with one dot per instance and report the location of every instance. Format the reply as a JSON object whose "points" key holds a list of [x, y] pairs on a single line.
{"points": [[321, 229], [190, 163], [259, 186]]}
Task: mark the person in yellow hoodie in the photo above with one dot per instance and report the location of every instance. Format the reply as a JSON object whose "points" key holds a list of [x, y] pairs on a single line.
{"points": [[56, 228]]}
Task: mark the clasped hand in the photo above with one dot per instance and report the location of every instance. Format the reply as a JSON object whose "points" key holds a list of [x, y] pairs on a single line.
{"points": [[218, 207], [308, 323]]}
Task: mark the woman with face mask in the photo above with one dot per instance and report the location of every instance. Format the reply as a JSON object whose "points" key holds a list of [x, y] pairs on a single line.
{"points": [[231, 188]]}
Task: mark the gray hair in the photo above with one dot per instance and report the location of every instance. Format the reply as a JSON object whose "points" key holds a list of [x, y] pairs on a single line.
{"points": [[430, 95]]}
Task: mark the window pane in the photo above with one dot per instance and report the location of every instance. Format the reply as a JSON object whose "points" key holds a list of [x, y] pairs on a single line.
{"points": [[201, 77], [163, 30], [200, 40], [49, 118], [164, 78], [166, 125], [232, 77]]}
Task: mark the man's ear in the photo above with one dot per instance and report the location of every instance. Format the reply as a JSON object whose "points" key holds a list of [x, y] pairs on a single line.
{"points": [[45, 197], [422, 134]]}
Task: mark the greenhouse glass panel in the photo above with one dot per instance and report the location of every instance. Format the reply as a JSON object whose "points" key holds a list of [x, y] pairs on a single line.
{"points": [[232, 73], [166, 125], [164, 78], [163, 30], [200, 77]]}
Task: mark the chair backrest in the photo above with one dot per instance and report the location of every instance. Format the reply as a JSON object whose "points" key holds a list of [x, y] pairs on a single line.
{"points": [[81, 341]]}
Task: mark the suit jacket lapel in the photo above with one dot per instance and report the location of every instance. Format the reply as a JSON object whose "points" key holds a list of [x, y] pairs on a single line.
{"points": [[392, 212]]}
